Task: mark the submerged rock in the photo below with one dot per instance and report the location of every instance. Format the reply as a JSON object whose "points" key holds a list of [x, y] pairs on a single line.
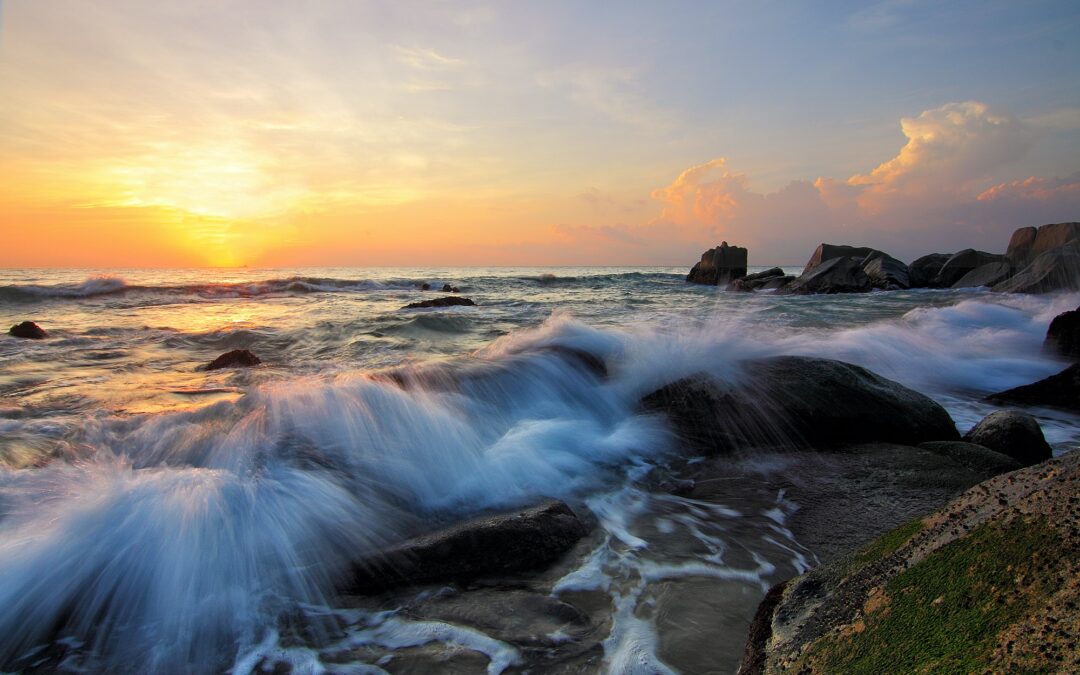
{"points": [[836, 275], [1063, 335], [1057, 391], [719, 266], [798, 401], [503, 543], [441, 302], [825, 252], [237, 358], [986, 275], [922, 271], [447, 288], [962, 262], [28, 330], [1054, 270], [1013, 433]]}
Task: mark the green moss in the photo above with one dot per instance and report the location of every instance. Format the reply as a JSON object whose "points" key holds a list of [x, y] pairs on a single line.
{"points": [[944, 614], [884, 545]]}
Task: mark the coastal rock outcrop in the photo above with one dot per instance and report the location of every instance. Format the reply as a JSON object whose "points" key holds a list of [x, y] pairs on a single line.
{"points": [[441, 302], [988, 583], [986, 275], [835, 275], [922, 271], [28, 330], [1057, 391], [237, 358], [886, 272], [1013, 433], [503, 543], [960, 263], [798, 401], [825, 252], [1063, 335], [719, 266], [770, 278], [1028, 243], [1053, 270]]}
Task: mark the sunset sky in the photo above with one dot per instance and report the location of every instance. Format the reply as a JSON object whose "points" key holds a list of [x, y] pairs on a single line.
{"points": [[395, 133]]}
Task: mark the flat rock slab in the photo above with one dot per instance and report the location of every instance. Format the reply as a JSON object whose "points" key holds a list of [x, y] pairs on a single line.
{"points": [[441, 302]]}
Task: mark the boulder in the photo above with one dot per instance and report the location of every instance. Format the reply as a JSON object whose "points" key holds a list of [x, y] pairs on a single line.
{"points": [[985, 275], [1013, 433], [1057, 391], [502, 543], [753, 282], [719, 266], [28, 330], [836, 275], [237, 358], [982, 459], [826, 252], [885, 272], [1028, 243], [798, 401], [1063, 335], [1054, 270], [441, 302], [776, 283], [921, 272], [447, 288], [961, 263]]}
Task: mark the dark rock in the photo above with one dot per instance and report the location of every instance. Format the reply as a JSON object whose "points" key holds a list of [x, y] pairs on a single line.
{"points": [[28, 330], [776, 283], [836, 275], [921, 272], [719, 266], [986, 275], [798, 401], [237, 358], [986, 461], [961, 263], [753, 660], [753, 282], [1014, 433], [425, 286], [885, 271], [447, 288], [1063, 335], [441, 302], [1057, 391], [825, 252], [1054, 270], [497, 544], [1028, 243]]}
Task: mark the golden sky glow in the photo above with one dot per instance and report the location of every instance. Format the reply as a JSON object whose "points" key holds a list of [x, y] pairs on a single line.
{"points": [[266, 133]]}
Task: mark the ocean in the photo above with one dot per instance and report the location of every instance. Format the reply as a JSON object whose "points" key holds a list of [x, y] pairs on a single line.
{"points": [[170, 517]]}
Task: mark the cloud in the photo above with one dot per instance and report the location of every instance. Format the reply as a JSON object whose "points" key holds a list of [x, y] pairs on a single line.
{"points": [[426, 59], [933, 195]]}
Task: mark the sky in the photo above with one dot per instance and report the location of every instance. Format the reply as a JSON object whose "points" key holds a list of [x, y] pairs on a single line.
{"points": [[267, 133]]}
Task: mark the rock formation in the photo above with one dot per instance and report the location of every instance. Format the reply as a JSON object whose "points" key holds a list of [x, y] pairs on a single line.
{"points": [[719, 266], [28, 330], [237, 358]]}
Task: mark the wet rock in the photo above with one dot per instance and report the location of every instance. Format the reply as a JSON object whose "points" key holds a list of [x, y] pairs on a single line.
{"points": [[826, 252], [1028, 243], [753, 282], [983, 459], [1063, 335], [776, 283], [798, 401], [498, 544], [836, 275], [1013, 433], [1054, 270], [237, 358], [441, 302], [922, 271], [986, 275], [885, 272], [1057, 391], [28, 330], [447, 288], [960, 263], [719, 266]]}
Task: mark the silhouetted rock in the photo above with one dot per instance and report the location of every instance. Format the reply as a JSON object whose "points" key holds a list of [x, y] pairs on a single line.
{"points": [[1028, 243], [825, 252], [28, 330], [986, 275], [425, 286], [836, 275], [719, 266], [1014, 433], [922, 271], [447, 288], [753, 282], [885, 272], [1054, 270], [440, 302], [237, 358], [1057, 391], [503, 543], [798, 401], [1063, 335], [960, 263]]}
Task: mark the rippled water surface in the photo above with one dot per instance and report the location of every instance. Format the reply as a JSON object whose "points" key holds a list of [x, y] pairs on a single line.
{"points": [[157, 516]]}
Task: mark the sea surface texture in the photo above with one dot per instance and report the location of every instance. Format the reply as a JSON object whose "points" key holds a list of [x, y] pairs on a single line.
{"points": [[156, 517]]}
